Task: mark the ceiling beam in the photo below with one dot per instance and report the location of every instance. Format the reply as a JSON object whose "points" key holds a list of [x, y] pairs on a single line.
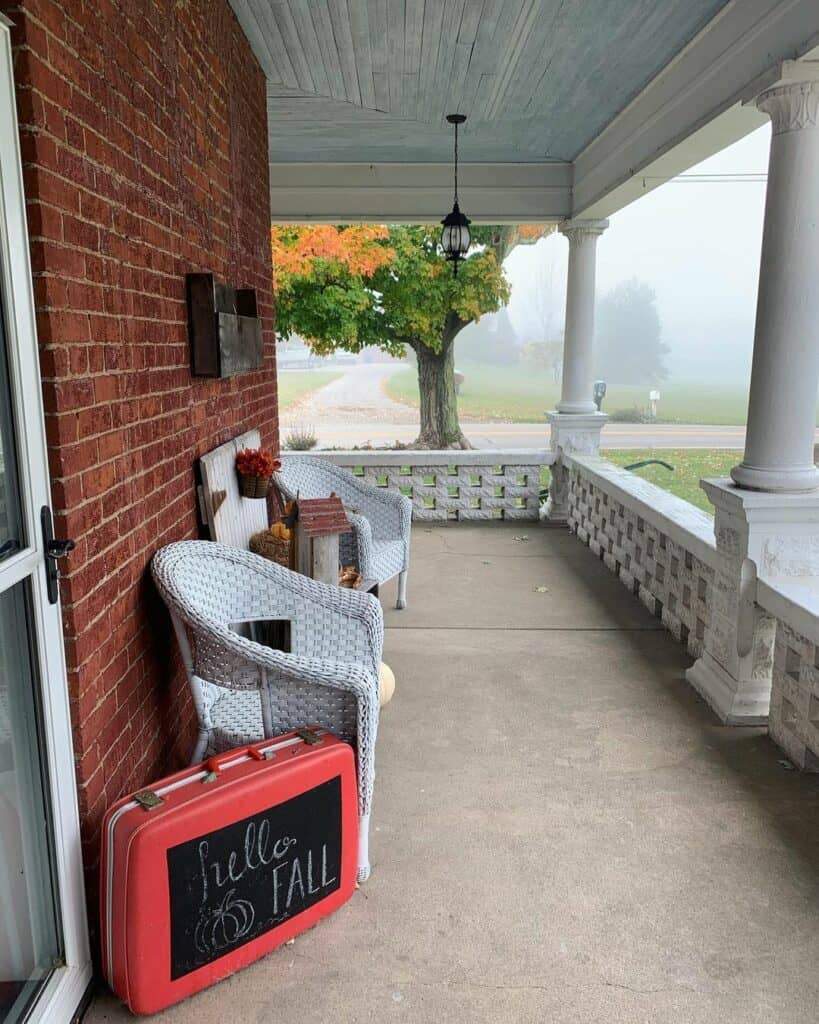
{"points": [[692, 109], [412, 193]]}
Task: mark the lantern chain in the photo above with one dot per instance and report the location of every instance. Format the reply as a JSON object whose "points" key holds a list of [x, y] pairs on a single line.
{"points": [[456, 161]]}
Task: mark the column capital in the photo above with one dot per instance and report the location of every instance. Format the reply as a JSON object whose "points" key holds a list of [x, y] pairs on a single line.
{"points": [[582, 230], [793, 103]]}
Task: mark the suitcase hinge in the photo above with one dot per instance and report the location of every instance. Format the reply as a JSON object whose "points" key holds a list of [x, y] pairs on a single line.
{"points": [[148, 800]]}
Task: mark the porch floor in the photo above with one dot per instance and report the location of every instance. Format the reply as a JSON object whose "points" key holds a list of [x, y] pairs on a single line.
{"points": [[562, 832]]}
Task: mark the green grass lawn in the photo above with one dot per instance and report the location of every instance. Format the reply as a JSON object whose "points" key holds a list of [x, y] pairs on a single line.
{"points": [[514, 394], [295, 384], [690, 466]]}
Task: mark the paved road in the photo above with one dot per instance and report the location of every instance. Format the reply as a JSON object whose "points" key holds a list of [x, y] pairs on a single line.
{"points": [[355, 410], [356, 399], [336, 433], [531, 435]]}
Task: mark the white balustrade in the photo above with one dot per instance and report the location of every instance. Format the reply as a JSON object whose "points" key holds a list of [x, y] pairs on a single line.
{"points": [[482, 484], [659, 546]]}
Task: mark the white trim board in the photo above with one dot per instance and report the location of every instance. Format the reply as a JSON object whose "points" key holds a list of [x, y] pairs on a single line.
{"points": [[349, 192]]}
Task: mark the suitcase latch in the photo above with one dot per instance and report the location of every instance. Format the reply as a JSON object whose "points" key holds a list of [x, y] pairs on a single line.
{"points": [[309, 738], [148, 800]]}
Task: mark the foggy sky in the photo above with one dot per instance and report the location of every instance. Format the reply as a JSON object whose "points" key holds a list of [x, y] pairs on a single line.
{"points": [[697, 244]]}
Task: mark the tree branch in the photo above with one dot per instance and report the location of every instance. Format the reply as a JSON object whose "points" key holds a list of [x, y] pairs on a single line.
{"points": [[453, 326], [506, 237]]}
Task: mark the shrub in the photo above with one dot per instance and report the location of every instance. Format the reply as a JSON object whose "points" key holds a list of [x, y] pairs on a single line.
{"points": [[633, 415], [300, 439]]}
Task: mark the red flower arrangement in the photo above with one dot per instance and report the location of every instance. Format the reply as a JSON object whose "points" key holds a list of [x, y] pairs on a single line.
{"points": [[256, 462], [255, 468]]}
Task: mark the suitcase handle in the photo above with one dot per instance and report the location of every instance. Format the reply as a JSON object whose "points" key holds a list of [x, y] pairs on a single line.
{"points": [[216, 763], [261, 751]]}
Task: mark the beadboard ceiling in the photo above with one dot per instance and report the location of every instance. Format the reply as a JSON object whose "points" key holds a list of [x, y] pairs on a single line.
{"points": [[372, 80]]}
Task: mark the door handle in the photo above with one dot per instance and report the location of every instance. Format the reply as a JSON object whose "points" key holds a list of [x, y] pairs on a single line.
{"points": [[53, 550], [59, 548], [8, 547]]}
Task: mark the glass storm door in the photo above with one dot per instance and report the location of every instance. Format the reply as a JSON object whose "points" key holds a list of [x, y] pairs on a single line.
{"points": [[44, 962]]}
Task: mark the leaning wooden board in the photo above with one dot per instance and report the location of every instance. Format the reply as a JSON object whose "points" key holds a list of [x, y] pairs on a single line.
{"points": [[211, 868], [231, 519]]}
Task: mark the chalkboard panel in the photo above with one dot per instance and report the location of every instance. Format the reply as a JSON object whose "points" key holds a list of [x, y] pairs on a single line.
{"points": [[231, 885]]}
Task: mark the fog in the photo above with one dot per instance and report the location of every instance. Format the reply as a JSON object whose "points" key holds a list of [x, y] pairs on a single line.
{"points": [[696, 244]]}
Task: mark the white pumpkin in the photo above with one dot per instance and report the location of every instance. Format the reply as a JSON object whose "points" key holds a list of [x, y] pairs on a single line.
{"points": [[386, 684]]}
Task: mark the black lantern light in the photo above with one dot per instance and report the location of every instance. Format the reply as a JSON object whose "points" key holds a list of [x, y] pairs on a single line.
{"points": [[455, 237]]}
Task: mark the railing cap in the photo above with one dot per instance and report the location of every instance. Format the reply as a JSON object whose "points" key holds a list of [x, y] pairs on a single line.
{"points": [[445, 457]]}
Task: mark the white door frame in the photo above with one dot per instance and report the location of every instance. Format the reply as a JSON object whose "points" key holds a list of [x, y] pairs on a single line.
{"points": [[65, 988]]}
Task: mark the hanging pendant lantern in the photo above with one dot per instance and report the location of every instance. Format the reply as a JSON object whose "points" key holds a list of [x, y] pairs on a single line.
{"points": [[455, 237]]}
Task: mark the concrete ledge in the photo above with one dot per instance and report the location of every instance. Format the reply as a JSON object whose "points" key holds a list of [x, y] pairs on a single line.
{"points": [[794, 723], [687, 525], [438, 457], [796, 603], [660, 547]]}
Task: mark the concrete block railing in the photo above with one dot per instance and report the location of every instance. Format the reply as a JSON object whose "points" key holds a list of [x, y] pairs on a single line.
{"points": [[793, 720], [482, 484], [661, 547]]}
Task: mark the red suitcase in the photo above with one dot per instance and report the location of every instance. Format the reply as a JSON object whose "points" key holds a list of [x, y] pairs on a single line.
{"points": [[215, 866]]}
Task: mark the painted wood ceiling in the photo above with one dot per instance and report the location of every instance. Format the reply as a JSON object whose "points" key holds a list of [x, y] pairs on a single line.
{"points": [[372, 80]]}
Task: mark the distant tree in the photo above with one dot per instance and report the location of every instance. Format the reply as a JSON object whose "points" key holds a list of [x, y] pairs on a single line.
{"points": [[545, 302], [629, 345], [492, 340], [545, 355]]}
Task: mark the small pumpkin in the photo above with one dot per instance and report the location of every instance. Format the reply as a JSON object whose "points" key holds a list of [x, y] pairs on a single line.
{"points": [[386, 684]]}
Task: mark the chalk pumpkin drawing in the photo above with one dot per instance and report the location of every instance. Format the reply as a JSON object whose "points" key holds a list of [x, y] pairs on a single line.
{"points": [[224, 925], [233, 884]]}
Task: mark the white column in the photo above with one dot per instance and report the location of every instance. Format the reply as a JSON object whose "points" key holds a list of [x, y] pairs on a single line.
{"points": [[768, 526], [782, 404], [578, 343], [576, 425]]}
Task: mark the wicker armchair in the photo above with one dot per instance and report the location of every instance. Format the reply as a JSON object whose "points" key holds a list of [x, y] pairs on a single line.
{"points": [[381, 520], [245, 691]]}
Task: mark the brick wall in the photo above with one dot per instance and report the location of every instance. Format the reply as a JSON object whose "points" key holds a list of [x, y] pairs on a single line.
{"points": [[145, 156]]}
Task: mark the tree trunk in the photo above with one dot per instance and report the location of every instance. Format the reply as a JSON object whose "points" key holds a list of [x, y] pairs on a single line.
{"points": [[439, 404]]}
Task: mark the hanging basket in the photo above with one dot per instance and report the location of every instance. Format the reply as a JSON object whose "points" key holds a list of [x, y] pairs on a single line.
{"points": [[254, 486]]}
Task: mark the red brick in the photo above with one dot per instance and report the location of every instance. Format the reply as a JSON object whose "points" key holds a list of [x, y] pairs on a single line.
{"points": [[139, 166], [57, 259], [99, 479], [73, 393], [80, 234]]}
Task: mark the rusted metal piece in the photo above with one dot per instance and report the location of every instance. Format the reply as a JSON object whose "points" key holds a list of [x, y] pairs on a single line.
{"points": [[224, 328]]}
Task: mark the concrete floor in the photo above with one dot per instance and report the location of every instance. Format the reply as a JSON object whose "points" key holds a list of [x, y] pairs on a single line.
{"points": [[562, 831]]}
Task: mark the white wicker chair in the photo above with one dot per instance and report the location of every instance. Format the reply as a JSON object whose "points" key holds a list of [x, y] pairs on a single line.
{"points": [[245, 691], [381, 520]]}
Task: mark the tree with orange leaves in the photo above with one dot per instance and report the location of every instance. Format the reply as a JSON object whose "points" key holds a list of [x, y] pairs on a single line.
{"points": [[349, 287]]}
